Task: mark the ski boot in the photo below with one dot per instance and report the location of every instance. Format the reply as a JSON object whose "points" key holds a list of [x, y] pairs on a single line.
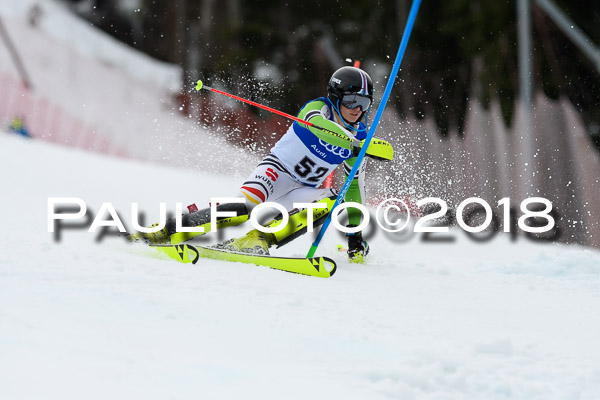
{"points": [[255, 242], [357, 247], [196, 219], [159, 237]]}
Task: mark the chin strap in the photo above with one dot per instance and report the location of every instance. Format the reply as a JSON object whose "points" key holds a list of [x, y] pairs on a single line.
{"points": [[347, 123], [344, 121]]}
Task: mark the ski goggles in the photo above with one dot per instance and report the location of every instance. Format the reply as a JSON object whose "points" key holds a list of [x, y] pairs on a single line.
{"points": [[353, 100]]}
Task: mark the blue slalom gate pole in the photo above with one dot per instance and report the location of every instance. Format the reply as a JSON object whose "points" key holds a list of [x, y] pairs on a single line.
{"points": [[414, 9]]}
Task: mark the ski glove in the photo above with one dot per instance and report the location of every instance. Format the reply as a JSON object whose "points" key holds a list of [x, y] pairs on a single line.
{"points": [[378, 149]]}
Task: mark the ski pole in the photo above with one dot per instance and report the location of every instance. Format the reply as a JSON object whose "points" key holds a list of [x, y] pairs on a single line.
{"points": [[349, 139], [407, 30]]}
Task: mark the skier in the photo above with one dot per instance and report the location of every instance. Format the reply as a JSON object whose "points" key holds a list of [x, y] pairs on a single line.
{"points": [[17, 126], [295, 168]]}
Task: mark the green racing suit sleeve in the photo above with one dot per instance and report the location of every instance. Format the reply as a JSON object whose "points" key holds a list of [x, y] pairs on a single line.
{"points": [[331, 133]]}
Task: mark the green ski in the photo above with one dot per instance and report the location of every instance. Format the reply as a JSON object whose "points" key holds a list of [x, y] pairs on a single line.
{"points": [[322, 267]]}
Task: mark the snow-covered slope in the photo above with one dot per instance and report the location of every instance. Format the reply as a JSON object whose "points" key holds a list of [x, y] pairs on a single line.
{"points": [[79, 319]]}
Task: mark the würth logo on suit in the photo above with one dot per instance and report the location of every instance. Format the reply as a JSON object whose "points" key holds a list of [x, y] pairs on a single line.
{"points": [[271, 174]]}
